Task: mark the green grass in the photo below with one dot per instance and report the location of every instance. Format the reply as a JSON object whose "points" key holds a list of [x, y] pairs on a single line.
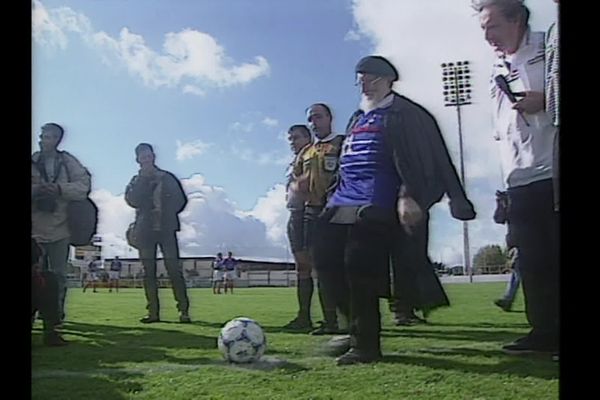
{"points": [[455, 356]]}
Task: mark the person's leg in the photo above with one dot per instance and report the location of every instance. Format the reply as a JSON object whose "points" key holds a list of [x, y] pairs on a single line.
{"points": [[219, 283], [328, 305], [513, 286], [328, 253], [49, 309], [404, 285], [148, 258], [366, 260], [56, 261], [537, 237], [304, 285], [328, 258], [304, 291], [215, 281], [170, 250]]}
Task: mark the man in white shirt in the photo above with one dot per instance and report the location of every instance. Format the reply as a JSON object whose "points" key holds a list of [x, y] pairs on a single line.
{"points": [[525, 135]]}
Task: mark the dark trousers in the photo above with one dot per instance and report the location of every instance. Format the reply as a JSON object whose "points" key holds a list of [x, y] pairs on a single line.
{"points": [[535, 226], [168, 246], [408, 253], [311, 225], [352, 262], [44, 298]]}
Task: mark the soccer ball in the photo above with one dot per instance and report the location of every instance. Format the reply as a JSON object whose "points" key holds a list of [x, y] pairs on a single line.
{"points": [[242, 340]]}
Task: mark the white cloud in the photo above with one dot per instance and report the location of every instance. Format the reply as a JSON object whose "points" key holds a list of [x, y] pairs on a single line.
{"points": [[49, 27], [270, 122], [352, 35], [271, 210], [242, 126], [114, 217], [186, 151], [279, 158], [191, 89], [186, 56], [210, 223]]}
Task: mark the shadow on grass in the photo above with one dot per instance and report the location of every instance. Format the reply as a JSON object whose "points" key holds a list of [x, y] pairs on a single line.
{"points": [[103, 346], [92, 359], [533, 366], [474, 335], [492, 325], [82, 386]]}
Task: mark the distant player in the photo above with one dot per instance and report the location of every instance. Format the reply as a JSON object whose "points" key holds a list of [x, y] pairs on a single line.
{"points": [[92, 276], [218, 273], [114, 274], [230, 265]]}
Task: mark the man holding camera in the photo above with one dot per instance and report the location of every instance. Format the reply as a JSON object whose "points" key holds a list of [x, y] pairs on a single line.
{"points": [[57, 178]]}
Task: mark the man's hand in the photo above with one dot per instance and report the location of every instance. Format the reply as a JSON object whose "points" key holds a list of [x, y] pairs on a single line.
{"points": [[48, 189], [300, 185], [532, 103], [409, 213]]}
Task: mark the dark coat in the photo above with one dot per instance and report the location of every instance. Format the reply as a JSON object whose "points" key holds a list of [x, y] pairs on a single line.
{"points": [[173, 200], [421, 158], [423, 163]]}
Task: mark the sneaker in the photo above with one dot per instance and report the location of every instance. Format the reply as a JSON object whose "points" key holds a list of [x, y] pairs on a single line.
{"points": [[54, 339], [326, 329], [148, 319], [503, 304], [184, 318], [354, 356], [298, 324]]}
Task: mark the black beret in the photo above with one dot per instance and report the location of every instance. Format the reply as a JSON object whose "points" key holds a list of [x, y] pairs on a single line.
{"points": [[143, 146], [376, 65]]}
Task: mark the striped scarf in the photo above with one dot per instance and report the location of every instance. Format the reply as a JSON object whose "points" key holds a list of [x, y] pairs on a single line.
{"points": [[552, 73]]}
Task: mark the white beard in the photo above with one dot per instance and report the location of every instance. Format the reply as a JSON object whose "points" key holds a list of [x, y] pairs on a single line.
{"points": [[367, 104]]}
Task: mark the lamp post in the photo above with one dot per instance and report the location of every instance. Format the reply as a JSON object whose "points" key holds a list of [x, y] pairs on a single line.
{"points": [[457, 92]]}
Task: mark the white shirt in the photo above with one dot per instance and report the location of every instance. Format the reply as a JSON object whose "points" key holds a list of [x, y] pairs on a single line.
{"points": [[327, 138], [525, 151]]}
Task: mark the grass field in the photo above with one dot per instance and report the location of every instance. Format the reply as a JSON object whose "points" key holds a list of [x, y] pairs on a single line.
{"points": [[112, 356]]}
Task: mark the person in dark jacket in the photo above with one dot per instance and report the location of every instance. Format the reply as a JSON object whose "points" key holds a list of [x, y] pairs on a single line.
{"points": [[158, 198], [393, 167]]}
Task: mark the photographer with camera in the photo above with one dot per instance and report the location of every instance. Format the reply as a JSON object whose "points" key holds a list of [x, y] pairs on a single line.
{"points": [[57, 178]]}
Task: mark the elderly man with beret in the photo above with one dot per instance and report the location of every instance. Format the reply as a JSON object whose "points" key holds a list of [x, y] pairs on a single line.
{"points": [[393, 167]]}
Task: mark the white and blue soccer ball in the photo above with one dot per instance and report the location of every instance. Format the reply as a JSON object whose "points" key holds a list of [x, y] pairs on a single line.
{"points": [[242, 340]]}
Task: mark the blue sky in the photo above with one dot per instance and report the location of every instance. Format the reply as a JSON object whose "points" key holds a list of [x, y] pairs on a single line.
{"points": [[214, 85]]}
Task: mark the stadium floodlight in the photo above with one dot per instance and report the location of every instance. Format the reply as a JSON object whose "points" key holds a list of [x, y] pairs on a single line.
{"points": [[457, 92]]}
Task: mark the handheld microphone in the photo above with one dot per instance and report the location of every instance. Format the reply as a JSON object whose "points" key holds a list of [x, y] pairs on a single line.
{"points": [[502, 84]]}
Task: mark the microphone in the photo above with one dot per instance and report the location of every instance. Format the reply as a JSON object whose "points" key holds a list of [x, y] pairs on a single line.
{"points": [[502, 84]]}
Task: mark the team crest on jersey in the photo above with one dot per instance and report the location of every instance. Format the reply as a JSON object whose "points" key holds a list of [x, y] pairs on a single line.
{"points": [[330, 163]]}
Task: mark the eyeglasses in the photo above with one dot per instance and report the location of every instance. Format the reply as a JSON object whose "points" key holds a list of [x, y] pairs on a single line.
{"points": [[360, 81]]}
